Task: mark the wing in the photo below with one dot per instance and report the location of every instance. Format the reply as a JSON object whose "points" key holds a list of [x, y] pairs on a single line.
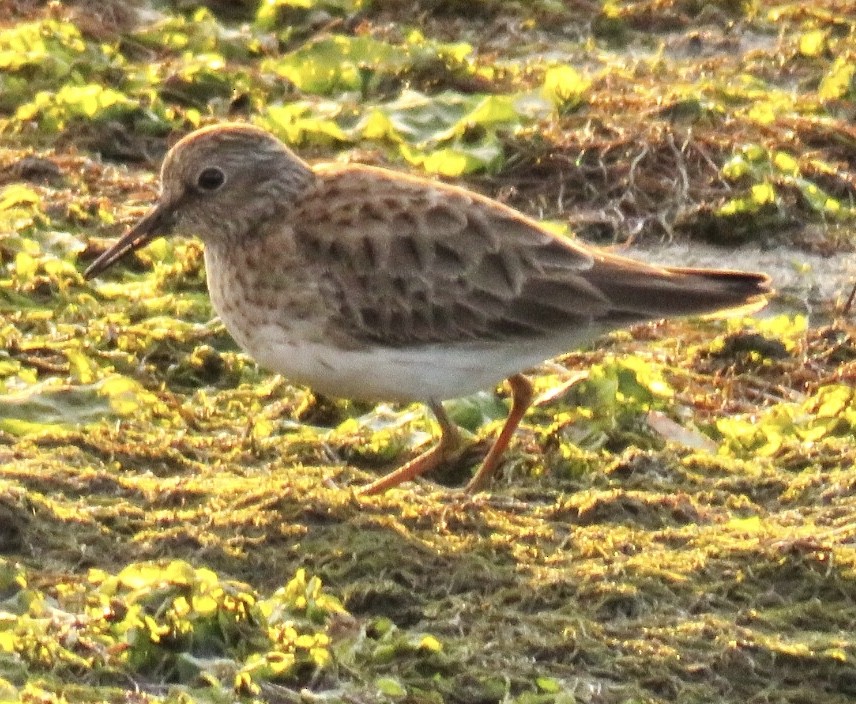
{"points": [[407, 261]]}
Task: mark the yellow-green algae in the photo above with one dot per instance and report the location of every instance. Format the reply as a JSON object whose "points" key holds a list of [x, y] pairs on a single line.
{"points": [[177, 525]]}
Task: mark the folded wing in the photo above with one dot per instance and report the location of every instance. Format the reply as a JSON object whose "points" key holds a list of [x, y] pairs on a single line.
{"points": [[407, 261]]}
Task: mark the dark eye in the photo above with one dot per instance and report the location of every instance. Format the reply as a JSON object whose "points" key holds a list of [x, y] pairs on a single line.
{"points": [[210, 179]]}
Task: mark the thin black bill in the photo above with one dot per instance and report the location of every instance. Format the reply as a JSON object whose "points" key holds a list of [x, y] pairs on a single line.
{"points": [[158, 221]]}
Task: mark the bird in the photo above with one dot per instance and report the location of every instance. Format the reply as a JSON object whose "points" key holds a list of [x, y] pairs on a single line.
{"points": [[368, 283]]}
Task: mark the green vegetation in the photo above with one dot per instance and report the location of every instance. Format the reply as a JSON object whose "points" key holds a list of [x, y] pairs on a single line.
{"points": [[177, 525]]}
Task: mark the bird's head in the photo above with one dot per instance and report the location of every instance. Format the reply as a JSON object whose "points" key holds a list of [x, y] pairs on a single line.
{"points": [[219, 183]]}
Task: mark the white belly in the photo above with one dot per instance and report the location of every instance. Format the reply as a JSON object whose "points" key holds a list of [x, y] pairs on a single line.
{"points": [[400, 374]]}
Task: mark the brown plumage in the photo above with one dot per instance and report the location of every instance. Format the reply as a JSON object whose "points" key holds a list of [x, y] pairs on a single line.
{"points": [[363, 282]]}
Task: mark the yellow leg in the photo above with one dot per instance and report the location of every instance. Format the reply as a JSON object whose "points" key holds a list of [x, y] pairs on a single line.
{"points": [[450, 441], [521, 398]]}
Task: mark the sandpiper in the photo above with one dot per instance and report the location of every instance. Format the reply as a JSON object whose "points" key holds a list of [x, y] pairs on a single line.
{"points": [[366, 283]]}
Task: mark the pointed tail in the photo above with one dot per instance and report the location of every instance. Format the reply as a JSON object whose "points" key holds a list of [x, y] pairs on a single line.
{"points": [[643, 292]]}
